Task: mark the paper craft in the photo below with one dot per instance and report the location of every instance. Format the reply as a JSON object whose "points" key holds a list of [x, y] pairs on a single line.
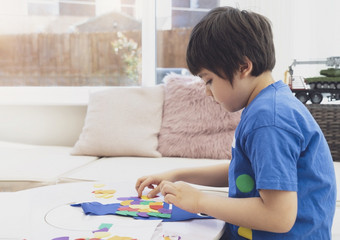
{"points": [[171, 237], [139, 208], [105, 226], [121, 238], [101, 233], [101, 193], [104, 193]]}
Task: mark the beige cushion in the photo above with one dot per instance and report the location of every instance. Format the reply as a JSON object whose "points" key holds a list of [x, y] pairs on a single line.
{"points": [[122, 122]]}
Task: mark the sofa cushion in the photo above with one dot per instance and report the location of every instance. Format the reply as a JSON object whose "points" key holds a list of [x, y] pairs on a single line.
{"points": [[122, 122], [194, 125], [25, 166]]}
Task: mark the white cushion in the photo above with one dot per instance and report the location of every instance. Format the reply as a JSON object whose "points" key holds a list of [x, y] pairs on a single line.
{"points": [[122, 122], [25, 166]]}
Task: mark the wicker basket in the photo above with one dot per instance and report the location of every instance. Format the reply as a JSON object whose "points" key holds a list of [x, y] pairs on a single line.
{"points": [[328, 118]]}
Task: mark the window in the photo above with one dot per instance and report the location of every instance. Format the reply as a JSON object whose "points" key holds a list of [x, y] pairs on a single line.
{"points": [[70, 43], [99, 42], [304, 30], [175, 20]]}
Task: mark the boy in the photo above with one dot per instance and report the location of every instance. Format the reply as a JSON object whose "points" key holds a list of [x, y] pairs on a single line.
{"points": [[281, 177]]}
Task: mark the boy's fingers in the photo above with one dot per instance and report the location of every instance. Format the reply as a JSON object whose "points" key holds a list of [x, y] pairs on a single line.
{"points": [[148, 182], [140, 187], [154, 192], [139, 182], [169, 198], [167, 188]]}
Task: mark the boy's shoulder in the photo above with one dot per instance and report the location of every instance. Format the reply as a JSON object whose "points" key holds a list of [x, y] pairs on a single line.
{"points": [[275, 106]]}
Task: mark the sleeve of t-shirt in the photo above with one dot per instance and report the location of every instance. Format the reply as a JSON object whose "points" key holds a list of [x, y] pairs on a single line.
{"points": [[273, 153]]}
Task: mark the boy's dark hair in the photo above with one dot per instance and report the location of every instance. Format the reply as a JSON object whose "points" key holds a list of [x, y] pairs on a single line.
{"points": [[225, 36]]}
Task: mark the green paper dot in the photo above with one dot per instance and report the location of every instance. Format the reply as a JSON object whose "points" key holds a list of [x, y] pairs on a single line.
{"points": [[245, 183]]}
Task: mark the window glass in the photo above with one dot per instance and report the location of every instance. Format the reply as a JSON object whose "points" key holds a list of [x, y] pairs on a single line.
{"points": [[305, 30], [175, 20], [70, 43]]}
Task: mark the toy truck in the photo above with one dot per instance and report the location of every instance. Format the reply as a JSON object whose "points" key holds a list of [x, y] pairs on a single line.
{"points": [[315, 88]]}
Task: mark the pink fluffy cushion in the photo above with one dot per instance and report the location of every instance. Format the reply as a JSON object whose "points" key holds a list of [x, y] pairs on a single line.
{"points": [[194, 125]]}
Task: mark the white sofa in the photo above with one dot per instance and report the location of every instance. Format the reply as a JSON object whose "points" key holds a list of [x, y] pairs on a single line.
{"points": [[36, 142]]}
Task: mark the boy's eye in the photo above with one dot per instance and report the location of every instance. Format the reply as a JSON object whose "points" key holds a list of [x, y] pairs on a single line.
{"points": [[208, 82]]}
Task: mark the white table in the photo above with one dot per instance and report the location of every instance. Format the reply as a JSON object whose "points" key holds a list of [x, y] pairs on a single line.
{"points": [[45, 213]]}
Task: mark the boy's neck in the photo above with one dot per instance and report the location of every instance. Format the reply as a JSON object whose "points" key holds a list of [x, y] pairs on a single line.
{"points": [[261, 82]]}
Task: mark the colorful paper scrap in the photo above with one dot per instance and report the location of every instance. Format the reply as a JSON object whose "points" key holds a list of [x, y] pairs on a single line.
{"points": [[102, 193], [101, 233], [105, 225], [171, 237], [142, 207]]}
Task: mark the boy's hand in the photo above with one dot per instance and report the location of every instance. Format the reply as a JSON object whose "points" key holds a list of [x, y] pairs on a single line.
{"points": [[153, 182], [182, 195]]}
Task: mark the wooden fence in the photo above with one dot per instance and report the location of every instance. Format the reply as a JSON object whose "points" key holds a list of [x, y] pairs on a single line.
{"points": [[80, 59]]}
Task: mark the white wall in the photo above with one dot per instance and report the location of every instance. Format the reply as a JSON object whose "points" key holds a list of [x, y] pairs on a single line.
{"points": [[303, 30]]}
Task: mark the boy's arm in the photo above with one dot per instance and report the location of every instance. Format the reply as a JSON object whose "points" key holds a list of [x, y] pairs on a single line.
{"points": [[215, 176], [273, 211]]}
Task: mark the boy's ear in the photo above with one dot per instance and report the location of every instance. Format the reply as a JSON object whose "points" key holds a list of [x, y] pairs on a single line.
{"points": [[246, 68]]}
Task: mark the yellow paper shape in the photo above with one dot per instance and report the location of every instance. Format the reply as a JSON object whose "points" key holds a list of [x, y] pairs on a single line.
{"points": [[106, 196], [101, 191], [147, 210], [144, 197], [98, 195], [156, 203], [98, 185], [144, 210], [119, 238], [245, 232], [126, 202], [101, 234], [139, 206]]}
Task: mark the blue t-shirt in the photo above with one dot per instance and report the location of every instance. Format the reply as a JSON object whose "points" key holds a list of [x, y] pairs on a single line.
{"points": [[279, 146]]}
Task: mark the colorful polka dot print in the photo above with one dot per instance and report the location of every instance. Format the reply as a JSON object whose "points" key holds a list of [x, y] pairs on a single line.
{"points": [[245, 183]]}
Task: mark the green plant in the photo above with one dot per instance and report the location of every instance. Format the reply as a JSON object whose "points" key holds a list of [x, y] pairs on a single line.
{"points": [[130, 54]]}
